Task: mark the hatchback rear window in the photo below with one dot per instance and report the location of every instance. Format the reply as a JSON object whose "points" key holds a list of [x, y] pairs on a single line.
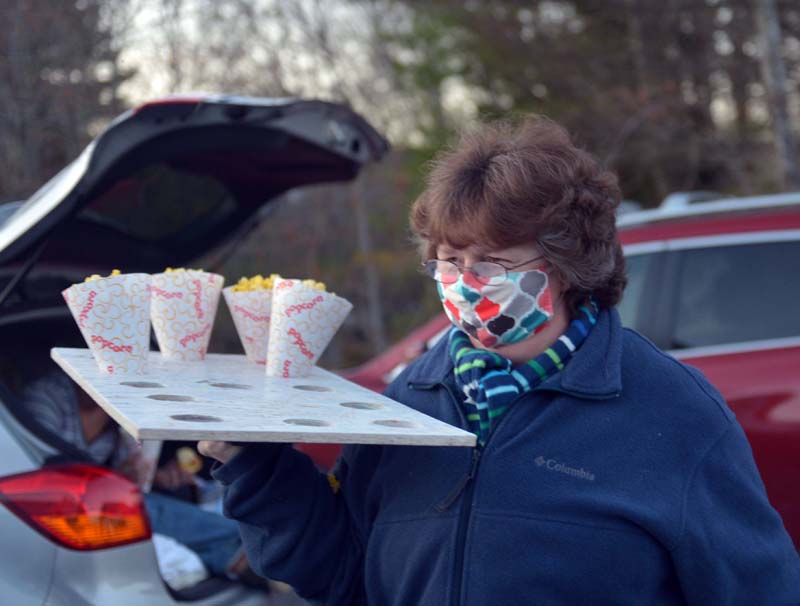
{"points": [[157, 202], [734, 294]]}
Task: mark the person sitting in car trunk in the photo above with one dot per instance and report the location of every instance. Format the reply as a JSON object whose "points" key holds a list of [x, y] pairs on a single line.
{"points": [[62, 408]]}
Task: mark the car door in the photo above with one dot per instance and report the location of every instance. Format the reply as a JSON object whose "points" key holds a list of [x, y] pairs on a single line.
{"points": [[735, 317]]}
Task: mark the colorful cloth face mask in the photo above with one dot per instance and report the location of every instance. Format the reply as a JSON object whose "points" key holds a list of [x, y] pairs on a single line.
{"points": [[503, 313]]}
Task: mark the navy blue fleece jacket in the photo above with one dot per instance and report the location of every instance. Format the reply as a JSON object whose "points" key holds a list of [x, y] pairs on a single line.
{"points": [[624, 479]]}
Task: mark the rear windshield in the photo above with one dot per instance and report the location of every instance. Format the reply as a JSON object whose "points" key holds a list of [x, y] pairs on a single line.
{"points": [[159, 201]]}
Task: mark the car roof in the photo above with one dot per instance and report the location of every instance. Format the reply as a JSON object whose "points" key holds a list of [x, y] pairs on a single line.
{"points": [[723, 216]]}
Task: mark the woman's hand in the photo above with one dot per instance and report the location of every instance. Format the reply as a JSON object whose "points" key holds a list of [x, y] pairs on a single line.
{"points": [[221, 451]]}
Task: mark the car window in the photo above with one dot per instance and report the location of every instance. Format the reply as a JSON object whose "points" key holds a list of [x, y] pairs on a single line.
{"points": [[734, 294], [632, 307]]}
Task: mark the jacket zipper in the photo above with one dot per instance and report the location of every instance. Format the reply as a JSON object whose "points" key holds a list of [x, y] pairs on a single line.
{"points": [[467, 487], [466, 484], [463, 520], [451, 497]]}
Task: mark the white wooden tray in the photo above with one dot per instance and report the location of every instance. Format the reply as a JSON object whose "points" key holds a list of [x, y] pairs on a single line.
{"points": [[225, 397]]}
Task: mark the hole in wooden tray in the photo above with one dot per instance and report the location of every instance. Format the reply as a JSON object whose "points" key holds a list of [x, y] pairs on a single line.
{"points": [[170, 398], [361, 405], [231, 386], [307, 422], [395, 423], [143, 384], [196, 418], [312, 388]]}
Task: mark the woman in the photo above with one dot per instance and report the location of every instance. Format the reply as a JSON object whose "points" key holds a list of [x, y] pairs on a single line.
{"points": [[606, 472]]}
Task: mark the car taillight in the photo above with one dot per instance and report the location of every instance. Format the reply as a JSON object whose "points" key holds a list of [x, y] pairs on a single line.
{"points": [[78, 506]]}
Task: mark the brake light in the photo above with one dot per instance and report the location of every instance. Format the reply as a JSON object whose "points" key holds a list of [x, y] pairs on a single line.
{"points": [[78, 506], [173, 100]]}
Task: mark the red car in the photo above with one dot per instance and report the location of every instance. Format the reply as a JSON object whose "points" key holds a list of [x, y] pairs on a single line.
{"points": [[717, 285]]}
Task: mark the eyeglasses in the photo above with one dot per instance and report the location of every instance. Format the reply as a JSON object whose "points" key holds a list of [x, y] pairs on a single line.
{"points": [[485, 272]]}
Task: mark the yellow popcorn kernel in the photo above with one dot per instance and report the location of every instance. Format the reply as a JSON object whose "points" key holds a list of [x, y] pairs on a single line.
{"points": [[315, 284], [170, 270], [93, 277], [257, 282], [270, 282], [334, 483], [188, 459], [242, 285]]}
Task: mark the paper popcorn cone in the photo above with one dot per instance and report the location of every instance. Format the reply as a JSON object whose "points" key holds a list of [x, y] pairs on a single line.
{"points": [[250, 311], [183, 305], [113, 315], [304, 320]]}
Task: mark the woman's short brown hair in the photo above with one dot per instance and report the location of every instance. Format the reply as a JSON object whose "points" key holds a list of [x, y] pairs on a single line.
{"points": [[507, 185]]}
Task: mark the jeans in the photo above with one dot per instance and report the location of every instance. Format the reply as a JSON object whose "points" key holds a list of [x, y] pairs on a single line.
{"points": [[214, 538]]}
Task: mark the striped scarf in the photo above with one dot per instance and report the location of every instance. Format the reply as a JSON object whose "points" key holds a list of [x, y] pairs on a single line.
{"points": [[490, 383]]}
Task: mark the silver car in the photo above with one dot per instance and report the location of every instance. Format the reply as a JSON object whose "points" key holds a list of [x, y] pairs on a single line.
{"points": [[165, 183]]}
